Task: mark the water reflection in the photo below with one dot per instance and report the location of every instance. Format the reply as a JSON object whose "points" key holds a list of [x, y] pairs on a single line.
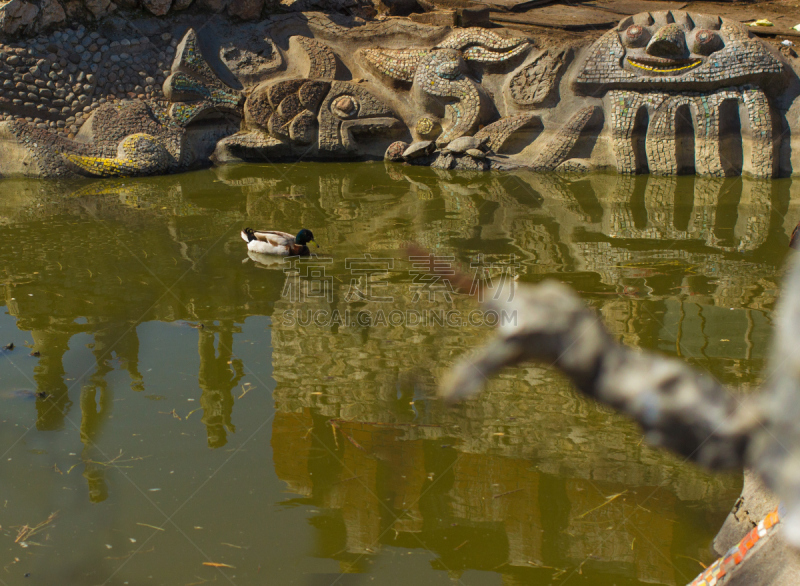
{"points": [[531, 481], [219, 374]]}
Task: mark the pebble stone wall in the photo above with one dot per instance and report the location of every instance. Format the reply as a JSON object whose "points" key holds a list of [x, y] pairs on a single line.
{"points": [[56, 81]]}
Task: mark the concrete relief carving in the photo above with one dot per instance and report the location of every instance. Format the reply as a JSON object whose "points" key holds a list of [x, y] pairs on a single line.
{"points": [[669, 77], [441, 81], [663, 92], [536, 83]]}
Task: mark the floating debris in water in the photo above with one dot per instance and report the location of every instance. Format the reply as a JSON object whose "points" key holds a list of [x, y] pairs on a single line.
{"points": [[26, 531]]}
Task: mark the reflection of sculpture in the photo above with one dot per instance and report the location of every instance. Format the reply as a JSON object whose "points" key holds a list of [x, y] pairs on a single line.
{"points": [[408, 485], [561, 222], [96, 404], [219, 374]]}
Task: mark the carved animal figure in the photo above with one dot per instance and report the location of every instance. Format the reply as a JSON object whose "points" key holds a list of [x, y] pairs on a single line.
{"points": [[440, 79], [313, 116]]}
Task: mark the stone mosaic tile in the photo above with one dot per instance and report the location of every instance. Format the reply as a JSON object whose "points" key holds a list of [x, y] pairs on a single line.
{"points": [[560, 146], [536, 82], [442, 72], [322, 61], [497, 133], [620, 59], [661, 144], [716, 572], [139, 154]]}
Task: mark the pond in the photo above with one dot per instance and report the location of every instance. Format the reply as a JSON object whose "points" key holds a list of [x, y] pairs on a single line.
{"points": [[204, 416]]}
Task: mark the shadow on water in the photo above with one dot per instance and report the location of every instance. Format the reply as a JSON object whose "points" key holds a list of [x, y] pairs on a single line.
{"points": [[188, 386]]}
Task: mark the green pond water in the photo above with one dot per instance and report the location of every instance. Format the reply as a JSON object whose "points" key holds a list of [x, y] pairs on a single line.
{"points": [[203, 407]]}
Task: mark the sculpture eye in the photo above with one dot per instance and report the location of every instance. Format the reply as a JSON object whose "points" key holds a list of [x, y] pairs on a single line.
{"points": [[706, 42], [345, 106], [635, 36]]}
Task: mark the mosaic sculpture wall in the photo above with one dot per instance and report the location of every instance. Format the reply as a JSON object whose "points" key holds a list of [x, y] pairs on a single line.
{"points": [[664, 92]]}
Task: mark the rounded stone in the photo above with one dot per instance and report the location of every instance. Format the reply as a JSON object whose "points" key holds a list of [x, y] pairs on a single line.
{"points": [[395, 151], [345, 106]]}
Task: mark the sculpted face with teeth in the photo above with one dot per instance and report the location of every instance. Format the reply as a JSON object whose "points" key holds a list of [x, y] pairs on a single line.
{"points": [[668, 48], [676, 50]]}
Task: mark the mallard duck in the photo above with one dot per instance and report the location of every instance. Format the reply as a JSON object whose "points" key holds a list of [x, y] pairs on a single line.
{"points": [[278, 243]]}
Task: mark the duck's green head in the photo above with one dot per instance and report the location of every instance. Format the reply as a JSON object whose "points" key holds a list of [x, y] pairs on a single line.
{"points": [[304, 237]]}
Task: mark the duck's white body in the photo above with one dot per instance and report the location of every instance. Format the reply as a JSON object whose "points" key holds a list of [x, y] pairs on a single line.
{"points": [[274, 243]]}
